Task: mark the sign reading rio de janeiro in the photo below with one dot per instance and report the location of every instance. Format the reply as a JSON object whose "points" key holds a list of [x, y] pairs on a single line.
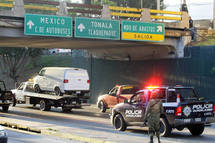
{"points": [[48, 25], [142, 31], [97, 28]]}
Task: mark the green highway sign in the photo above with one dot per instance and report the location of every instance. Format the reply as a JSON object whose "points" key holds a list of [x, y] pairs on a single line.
{"points": [[97, 28], [142, 31], [48, 25]]}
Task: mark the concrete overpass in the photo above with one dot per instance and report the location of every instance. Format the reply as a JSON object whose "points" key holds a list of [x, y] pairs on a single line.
{"points": [[12, 30]]}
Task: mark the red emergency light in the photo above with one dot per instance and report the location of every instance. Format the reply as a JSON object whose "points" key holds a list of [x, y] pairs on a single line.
{"points": [[178, 111]]}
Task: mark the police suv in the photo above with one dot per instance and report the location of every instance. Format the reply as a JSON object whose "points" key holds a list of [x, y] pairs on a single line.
{"points": [[182, 109]]}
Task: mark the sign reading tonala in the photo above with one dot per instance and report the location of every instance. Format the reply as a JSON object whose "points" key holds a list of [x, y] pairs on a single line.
{"points": [[97, 28]]}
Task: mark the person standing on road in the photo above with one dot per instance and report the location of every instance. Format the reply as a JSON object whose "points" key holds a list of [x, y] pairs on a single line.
{"points": [[152, 115]]}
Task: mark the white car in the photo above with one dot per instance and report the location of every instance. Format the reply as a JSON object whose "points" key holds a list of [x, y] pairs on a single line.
{"points": [[62, 80], [3, 135]]}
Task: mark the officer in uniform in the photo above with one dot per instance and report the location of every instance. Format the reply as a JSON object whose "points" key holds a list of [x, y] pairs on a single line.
{"points": [[152, 115]]}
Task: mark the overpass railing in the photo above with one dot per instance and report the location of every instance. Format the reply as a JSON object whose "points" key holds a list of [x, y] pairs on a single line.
{"points": [[170, 18]]}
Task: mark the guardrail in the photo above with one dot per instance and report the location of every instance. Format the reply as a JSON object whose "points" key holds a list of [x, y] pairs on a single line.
{"points": [[138, 13], [86, 10]]}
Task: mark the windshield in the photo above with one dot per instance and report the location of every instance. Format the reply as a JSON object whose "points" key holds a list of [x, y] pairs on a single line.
{"points": [[2, 86], [186, 94]]}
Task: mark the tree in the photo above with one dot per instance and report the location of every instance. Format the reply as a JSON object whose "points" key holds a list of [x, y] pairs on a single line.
{"points": [[13, 61]]}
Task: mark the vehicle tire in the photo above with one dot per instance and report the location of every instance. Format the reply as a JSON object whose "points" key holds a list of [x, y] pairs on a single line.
{"points": [[165, 128], [102, 107], [66, 110], [44, 105], [14, 101], [58, 92], [37, 88], [5, 108], [197, 129], [119, 123]]}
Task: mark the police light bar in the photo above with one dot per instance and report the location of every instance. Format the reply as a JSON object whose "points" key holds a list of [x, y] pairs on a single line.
{"points": [[152, 87]]}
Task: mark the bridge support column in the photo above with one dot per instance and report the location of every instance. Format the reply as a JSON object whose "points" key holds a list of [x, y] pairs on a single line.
{"points": [[185, 20], [106, 12], [145, 15], [62, 9], [18, 9]]}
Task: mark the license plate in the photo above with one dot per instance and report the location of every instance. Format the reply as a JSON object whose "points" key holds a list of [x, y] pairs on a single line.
{"points": [[73, 102], [78, 92], [187, 120], [198, 119]]}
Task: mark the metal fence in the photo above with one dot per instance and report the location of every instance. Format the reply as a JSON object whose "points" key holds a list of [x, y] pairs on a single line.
{"points": [[193, 70]]}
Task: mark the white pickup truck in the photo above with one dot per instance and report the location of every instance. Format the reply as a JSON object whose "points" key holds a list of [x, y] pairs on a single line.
{"points": [[25, 94]]}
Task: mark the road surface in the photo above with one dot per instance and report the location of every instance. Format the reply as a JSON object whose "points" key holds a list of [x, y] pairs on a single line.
{"points": [[90, 123], [15, 136]]}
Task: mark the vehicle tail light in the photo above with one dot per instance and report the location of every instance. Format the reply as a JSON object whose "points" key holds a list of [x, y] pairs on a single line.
{"points": [[178, 111], [178, 98], [214, 109], [88, 81], [65, 81]]}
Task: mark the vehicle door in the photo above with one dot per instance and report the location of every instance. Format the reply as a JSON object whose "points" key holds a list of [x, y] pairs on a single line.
{"points": [[112, 97], [135, 112], [42, 80], [19, 92], [126, 92]]}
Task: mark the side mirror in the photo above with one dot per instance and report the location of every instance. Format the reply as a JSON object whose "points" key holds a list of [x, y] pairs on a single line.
{"points": [[125, 101], [201, 98]]}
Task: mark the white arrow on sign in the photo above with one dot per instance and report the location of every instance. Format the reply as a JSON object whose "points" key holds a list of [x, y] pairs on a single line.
{"points": [[81, 27], [30, 24], [159, 28]]}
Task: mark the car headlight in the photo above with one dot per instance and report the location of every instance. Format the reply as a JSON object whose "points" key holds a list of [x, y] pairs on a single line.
{"points": [[3, 133]]}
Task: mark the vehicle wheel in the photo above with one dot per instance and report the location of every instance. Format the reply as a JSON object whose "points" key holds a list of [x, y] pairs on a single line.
{"points": [[57, 91], [66, 110], [196, 130], [37, 88], [165, 129], [14, 101], [44, 105], [119, 123], [5, 108], [102, 107]]}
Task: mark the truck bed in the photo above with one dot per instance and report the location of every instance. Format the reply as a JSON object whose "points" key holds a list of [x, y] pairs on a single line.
{"points": [[47, 96]]}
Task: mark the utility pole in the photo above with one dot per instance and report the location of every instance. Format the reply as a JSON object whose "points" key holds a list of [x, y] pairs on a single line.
{"points": [[214, 14], [158, 4]]}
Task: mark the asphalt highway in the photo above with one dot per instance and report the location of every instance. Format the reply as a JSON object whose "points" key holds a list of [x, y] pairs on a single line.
{"points": [[15, 136], [97, 125]]}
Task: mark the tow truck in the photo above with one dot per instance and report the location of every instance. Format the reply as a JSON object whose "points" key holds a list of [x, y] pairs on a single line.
{"points": [[6, 97], [25, 94], [182, 109]]}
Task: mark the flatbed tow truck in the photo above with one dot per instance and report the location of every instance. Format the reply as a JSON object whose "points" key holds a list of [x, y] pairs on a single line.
{"points": [[25, 94]]}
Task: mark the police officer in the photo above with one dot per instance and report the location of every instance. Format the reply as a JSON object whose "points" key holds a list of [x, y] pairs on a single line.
{"points": [[152, 114]]}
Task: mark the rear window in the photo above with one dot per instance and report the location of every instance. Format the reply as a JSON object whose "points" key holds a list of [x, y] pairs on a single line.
{"points": [[186, 94], [129, 89], [2, 86]]}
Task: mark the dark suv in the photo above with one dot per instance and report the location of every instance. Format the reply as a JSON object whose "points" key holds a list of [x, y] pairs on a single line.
{"points": [[6, 97], [182, 109]]}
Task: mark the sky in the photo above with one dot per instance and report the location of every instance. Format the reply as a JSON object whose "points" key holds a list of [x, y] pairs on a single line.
{"points": [[198, 9]]}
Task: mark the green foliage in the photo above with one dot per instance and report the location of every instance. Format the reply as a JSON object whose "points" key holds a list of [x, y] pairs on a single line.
{"points": [[104, 2], [206, 43], [13, 61]]}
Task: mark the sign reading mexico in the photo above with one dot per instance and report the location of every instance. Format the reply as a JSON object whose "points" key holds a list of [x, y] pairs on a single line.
{"points": [[143, 31], [97, 28], [48, 25]]}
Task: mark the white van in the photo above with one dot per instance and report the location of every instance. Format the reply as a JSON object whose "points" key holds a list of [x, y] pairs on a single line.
{"points": [[62, 80]]}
